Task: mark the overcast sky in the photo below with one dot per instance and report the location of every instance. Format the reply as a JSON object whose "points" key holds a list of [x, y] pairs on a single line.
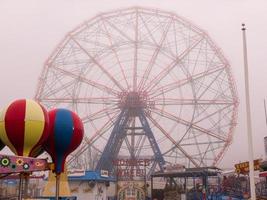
{"points": [[31, 29]]}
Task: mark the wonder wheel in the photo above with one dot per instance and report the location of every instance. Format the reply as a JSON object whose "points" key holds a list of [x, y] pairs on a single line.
{"points": [[146, 84]]}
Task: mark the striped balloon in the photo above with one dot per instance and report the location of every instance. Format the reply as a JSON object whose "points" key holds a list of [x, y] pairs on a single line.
{"points": [[24, 127], [66, 134]]}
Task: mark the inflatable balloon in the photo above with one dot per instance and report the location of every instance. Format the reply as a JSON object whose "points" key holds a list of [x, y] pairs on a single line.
{"points": [[66, 134], [24, 127]]}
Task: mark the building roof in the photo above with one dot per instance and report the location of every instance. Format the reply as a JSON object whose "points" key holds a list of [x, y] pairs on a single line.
{"points": [[91, 176], [190, 172]]}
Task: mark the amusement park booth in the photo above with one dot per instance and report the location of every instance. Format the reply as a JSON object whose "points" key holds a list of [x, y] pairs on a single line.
{"points": [[90, 185], [191, 183]]}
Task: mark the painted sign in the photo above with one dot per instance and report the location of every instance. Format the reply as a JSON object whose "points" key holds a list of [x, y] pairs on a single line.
{"points": [[104, 173], [243, 168], [132, 162], [17, 164], [131, 167]]}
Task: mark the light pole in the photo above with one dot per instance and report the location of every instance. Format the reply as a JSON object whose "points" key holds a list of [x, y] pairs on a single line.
{"points": [[145, 187], [249, 129]]}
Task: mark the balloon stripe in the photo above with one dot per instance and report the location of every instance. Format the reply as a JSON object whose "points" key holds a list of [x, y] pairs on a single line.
{"points": [[3, 135], [33, 133], [36, 149], [34, 111], [34, 126], [14, 123], [76, 137], [63, 130], [5, 139], [50, 144], [63, 134], [60, 163]]}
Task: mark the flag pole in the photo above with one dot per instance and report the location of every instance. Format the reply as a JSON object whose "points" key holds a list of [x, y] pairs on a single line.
{"points": [[249, 129]]}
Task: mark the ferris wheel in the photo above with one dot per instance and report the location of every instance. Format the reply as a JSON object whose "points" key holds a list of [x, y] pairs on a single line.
{"points": [[146, 83]]}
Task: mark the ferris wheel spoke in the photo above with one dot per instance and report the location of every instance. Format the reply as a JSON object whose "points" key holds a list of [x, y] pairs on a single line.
{"points": [[209, 86], [210, 150], [135, 51], [91, 100], [148, 30], [213, 113], [199, 143], [98, 64], [204, 155], [215, 124], [174, 101], [172, 140], [115, 54], [52, 91], [174, 85], [153, 58], [96, 43], [62, 86], [106, 127], [99, 114], [118, 30], [187, 123], [97, 85], [155, 81]]}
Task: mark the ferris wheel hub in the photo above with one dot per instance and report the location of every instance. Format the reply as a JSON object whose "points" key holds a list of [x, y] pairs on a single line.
{"points": [[133, 101]]}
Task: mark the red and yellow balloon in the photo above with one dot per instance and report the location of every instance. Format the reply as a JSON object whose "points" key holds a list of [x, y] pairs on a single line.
{"points": [[24, 127]]}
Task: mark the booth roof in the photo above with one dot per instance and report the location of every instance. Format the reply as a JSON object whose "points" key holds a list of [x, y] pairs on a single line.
{"points": [[91, 176], [190, 172]]}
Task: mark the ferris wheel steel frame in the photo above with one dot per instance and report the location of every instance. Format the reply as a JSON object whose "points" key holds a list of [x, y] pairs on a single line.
{"points": [[146, 94]]}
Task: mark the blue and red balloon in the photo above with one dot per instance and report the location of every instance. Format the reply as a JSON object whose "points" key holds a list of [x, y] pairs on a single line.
{"points": [[66, 134]]}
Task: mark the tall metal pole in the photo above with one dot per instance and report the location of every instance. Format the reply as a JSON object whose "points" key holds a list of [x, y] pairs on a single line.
{"points": [[145, 187], [20, 186], [26, 186], [57, 185], [249, 129]]}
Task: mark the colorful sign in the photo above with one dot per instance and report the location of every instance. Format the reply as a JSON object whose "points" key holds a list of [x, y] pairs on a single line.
{"points": [[243, 168], [131, 167], [104, 173], [17, 164], [132, 162]]}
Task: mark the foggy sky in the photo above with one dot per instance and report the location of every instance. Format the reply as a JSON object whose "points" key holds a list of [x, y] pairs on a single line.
{"points": [[31, 29]]}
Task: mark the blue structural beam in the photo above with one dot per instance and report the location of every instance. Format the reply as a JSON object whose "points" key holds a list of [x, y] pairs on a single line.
{"points": [[117, 136], [114, 143], [154, 145]]}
